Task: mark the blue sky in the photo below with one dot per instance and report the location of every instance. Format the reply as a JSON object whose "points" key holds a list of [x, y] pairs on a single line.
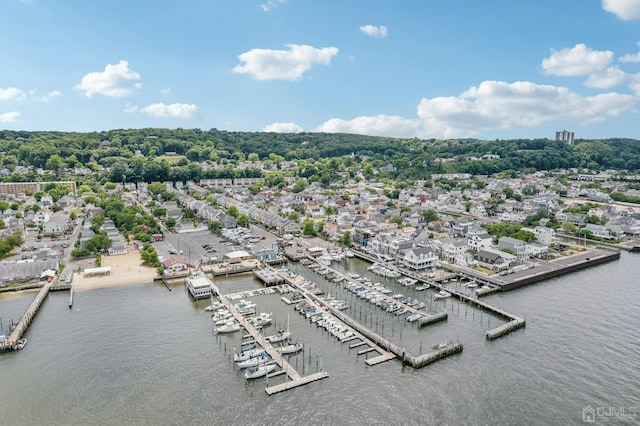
{"points": [[428, 69]]}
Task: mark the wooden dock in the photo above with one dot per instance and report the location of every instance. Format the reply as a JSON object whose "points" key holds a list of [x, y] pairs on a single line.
{"points": [[295, 379], [381, 358], [25, 321], [295, 383]]}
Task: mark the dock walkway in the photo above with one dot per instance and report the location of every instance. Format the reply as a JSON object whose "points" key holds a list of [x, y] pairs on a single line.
{"points": [[25, 321], [295, 379]]}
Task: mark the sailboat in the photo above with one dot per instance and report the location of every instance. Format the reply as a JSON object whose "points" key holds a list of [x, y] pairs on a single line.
{"points": [[280, 335]]}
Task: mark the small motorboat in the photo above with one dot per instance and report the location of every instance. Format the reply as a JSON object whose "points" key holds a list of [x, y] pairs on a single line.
{"points": [[21, 344], [442, 294]]}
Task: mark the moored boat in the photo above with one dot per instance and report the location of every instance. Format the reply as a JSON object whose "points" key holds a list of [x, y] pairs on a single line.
{"points": [[442, 294], [248, 354], [21, 344], [228, 327], [290, 349], [259, 371], [278, 337], [253, 362]]}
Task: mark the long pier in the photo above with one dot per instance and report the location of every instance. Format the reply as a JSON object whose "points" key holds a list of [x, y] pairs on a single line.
{"points": [[295, 379], [25, 321]]}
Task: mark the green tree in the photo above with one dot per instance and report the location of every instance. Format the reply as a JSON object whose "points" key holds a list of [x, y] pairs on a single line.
{"points": [[214, 226], [345, 240], [233, 211], [308, 228], [430, 215], [243, 221]]}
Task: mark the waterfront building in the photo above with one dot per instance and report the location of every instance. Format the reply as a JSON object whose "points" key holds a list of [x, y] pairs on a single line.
{"points": [[199, 285]]}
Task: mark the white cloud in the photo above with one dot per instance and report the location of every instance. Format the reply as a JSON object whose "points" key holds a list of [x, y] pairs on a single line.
{"points": [[183, 111], [272, 4], [490, 106], [630, 57], [578, 60], [283, 128], [11, 94], [9, 117], [268, 64], [380, 125], [373, 31], [608, 78], [130, 109], [115, 81], [46, 98], [626, 10], [635, 84], [165, 91]]}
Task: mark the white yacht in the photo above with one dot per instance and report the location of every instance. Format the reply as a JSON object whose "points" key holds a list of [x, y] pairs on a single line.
{"points": [[259, 371], [228, 327], [290, 349], [278, 337], [442, 294], [248, 354]]}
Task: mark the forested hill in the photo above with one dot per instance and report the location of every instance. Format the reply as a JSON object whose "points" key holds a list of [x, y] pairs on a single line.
{"points": [[410, 157]]}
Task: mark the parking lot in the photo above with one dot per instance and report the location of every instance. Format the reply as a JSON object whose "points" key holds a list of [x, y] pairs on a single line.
{"points": [[191, 245]]}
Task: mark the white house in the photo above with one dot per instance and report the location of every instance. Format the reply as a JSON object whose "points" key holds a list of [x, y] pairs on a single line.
{"points": [[56, 223], [544, 235], [420, 258]]}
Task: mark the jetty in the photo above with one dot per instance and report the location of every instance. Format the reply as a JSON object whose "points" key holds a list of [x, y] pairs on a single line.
{"points": [[10, 343]]}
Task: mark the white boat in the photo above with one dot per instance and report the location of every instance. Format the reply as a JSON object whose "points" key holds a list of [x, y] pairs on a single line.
{"points": [[228, 327], [472, 284], [414, 317], [442, 294], [349, 253], [215, 307], [262, 320], [248, 354], [278, 337], [253, 362], [21, 344], [290, 349], [222, 315], [259, 371], [423, 287]]}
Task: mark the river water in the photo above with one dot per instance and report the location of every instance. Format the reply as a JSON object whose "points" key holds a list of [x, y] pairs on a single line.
{"points": [[145, 355]]}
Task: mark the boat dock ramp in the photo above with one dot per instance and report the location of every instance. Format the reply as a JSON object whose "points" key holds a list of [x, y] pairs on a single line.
{"points": [[294, 378]]}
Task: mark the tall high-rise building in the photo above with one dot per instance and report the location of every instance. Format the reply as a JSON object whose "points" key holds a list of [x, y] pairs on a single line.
{"points": [[565, 136]]}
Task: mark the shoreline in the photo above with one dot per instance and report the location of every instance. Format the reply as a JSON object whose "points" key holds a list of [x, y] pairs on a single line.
{"points": [[126, 270]]}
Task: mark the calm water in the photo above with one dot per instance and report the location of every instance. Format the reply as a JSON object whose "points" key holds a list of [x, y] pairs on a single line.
{"points": [[145, 355]]}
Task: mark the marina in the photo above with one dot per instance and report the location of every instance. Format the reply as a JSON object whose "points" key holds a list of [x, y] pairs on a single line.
{"points": [[197, 364], [294, 379]]}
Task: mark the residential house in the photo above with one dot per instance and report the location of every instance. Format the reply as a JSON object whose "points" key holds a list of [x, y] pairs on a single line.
{"points": [[515, 246], [56, 224], [419, 258], [494, 260]]}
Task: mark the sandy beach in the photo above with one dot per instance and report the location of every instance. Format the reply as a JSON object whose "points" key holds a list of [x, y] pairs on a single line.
{"points": [[126, 269]]}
